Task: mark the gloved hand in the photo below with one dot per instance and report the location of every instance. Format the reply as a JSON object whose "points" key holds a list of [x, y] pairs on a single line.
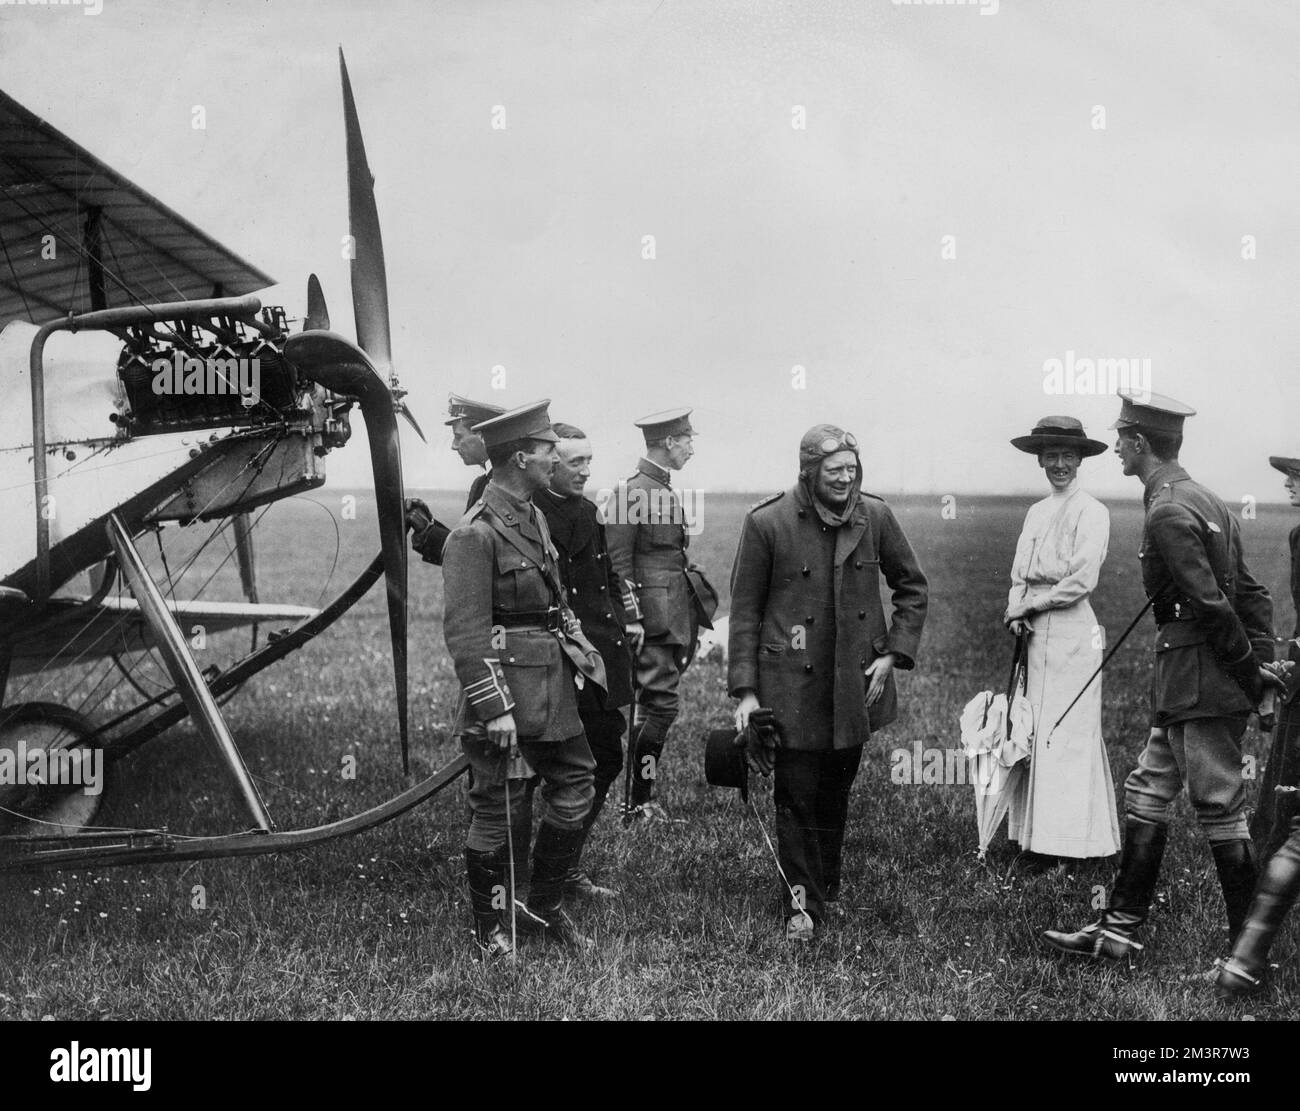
{"points": [[428, 537], [760, 738]]}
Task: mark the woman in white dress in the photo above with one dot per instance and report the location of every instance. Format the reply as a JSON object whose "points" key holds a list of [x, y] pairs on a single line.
{"points": [[1065, 805]]}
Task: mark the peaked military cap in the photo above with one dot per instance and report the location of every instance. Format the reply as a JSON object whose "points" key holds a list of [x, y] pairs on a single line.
{"points": [[671, 422], [1058, 432], [528, 422], [1285, 465], [1152, 411], [462, 408]]}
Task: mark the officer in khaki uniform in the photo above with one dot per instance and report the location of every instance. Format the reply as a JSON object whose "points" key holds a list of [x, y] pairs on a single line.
{"points": [[428, 536], [647, 536], [518, 654], [1214, 633]]}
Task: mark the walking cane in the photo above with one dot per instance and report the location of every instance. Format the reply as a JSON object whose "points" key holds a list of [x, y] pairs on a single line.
{"points": [[1105, 660], [510, 850]]}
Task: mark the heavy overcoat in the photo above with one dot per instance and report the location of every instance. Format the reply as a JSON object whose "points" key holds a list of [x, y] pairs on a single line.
{"points": [[807, 619]]}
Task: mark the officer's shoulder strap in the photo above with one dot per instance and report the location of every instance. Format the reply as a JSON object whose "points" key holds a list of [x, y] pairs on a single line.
{"points": [[869, 494], [767, 500], [474, 512]]}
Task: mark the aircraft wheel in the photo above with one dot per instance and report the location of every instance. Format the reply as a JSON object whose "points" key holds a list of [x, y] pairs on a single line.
{"points": [[30, 805]]}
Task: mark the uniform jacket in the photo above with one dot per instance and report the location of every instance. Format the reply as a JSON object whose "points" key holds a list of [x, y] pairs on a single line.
{"points": [[647, 537], [476, 489], [498, 567], [595, 590], [806, 616], [1211, 614]]}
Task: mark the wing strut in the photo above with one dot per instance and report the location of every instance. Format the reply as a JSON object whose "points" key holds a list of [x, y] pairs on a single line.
{"points": [[184, 671]]}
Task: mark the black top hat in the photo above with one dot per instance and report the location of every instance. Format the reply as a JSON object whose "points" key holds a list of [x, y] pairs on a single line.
{"points": [[724, 761], [1058, 432]]}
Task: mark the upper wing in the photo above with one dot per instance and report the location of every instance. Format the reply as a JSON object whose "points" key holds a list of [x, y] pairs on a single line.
{"points": [[113, 244]]}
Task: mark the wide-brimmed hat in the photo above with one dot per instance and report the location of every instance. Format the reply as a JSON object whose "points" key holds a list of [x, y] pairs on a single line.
{"points": [[1058, 432], [1285, 465], [724, 761]]}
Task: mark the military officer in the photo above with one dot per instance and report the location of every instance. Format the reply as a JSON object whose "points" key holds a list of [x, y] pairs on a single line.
{"points": [[1276, 824], [648, 540], [428, 536], [1214, 631], [608, 613], [517, 653], [810, 642]]}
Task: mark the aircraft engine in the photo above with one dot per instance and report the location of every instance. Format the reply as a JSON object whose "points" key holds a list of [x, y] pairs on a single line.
{"points": [[217, 374]]}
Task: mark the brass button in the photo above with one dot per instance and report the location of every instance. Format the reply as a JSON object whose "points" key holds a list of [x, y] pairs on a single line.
{"points": [[807, 668], [858, 564], [862, 615]]}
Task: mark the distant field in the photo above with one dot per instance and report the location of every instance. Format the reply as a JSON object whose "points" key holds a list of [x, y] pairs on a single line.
{"points": [[376, 926]]}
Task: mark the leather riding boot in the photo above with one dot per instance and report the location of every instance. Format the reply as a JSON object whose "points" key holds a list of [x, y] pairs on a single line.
{"points": [[645, 759], [1279, 886], [1111, 937], [488, 891], [629, 771], [555, 855], [1235, 863], [578, 884]]}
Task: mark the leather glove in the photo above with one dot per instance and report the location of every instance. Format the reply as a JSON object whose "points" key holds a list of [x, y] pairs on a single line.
{"points": [[418, 514], [760, 739], [428, 537]]}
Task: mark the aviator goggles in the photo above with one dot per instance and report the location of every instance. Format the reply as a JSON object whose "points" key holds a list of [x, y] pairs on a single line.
{"points": [[832, 444]]}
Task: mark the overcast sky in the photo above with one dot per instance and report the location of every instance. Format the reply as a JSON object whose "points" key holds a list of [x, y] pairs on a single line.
{"points": [[776, 246]]}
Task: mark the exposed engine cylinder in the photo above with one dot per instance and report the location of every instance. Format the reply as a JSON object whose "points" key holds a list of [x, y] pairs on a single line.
{"points": [[181, 376]]}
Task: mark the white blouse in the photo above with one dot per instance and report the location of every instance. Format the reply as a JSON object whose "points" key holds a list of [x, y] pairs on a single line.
{"points": [[1061, 549]]}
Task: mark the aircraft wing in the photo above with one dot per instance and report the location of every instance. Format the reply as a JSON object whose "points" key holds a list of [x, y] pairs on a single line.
{"points": [[81, 630], [114, 244]]}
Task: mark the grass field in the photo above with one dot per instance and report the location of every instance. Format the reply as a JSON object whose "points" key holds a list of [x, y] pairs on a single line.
{"points": [[377, 926]]}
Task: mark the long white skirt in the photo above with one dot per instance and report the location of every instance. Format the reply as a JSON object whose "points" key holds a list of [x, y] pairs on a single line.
{"points": [[1065, 806]]}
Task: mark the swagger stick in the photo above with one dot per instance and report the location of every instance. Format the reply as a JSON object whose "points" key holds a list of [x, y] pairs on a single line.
{"points": [[1105, 660], [510, 851]]}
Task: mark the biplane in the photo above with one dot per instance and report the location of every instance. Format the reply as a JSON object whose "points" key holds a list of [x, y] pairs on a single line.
{"points": [[144, 390]]}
